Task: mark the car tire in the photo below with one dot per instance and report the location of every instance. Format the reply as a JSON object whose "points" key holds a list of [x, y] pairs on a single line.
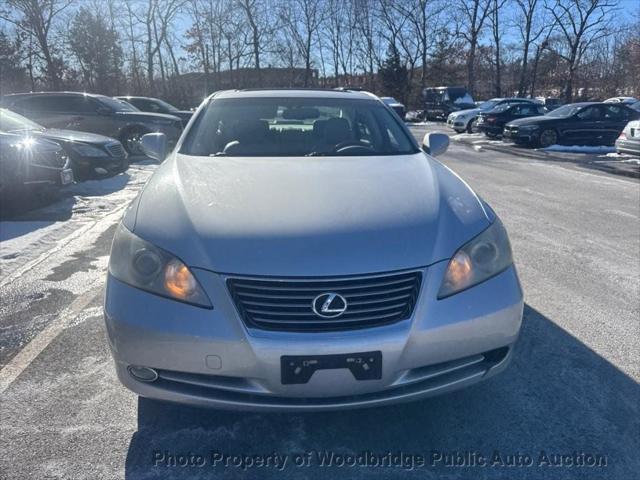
{"points": [[130, 139], [471, 126], [491, 135], [547, 138]]}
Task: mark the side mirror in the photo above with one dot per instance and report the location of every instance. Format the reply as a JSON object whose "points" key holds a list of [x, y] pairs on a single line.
{"points": [[435, 143], [154, 145]]}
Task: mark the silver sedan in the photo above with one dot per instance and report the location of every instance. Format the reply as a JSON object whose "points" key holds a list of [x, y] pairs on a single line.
{"points": [[298, 250]]}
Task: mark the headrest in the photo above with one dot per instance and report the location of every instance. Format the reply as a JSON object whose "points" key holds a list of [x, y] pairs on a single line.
{"points": [[337, 130]]}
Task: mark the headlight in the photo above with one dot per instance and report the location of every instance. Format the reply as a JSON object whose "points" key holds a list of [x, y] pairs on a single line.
{"points": [[89, 151], [483, 257], [145, 266]]}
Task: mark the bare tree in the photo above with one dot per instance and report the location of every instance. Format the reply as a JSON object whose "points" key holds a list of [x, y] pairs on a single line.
{"points": [[496, 32], [36, 18], [474, 16], [532, 26], [303, 19], [581, 23]]}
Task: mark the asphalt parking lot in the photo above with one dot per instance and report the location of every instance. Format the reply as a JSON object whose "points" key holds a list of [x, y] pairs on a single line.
{"points": [[567, 407]]}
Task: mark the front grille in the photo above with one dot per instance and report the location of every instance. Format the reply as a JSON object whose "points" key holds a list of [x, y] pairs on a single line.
{"points": [[286, 303], [115, 149]]}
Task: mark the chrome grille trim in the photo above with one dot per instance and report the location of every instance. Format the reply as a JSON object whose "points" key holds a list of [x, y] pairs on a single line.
{"points": [[115, 149], [285, 303]]}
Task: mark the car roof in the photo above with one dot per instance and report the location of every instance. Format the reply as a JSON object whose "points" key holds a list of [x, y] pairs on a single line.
{"points": [[128, 97], [26, 94], [297, 93]]}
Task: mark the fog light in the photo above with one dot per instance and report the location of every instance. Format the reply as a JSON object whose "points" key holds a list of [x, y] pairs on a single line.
{"points": [[144, 374]]}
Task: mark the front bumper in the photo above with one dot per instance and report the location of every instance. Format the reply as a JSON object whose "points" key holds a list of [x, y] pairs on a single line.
{"points": [[210, 358]]}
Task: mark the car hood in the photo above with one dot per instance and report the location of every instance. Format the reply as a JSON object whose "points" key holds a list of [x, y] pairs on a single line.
{"points": [[307, 216], [533, 120], [469, 111], [149, 116], [72, 136]]}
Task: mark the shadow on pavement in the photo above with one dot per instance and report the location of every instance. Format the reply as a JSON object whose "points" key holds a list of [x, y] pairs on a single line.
{"points": [[61, 205], [558, 397]]}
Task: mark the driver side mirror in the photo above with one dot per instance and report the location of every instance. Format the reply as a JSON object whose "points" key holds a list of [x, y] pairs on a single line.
{"points": [[435, 143], [154, 145]]}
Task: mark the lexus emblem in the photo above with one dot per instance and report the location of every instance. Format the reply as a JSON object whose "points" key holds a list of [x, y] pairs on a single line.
{"points": [[329, 305]]}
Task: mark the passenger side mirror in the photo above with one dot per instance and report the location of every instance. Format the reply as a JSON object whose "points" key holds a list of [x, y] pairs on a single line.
{"points": [[154, 145], [435, 143]]}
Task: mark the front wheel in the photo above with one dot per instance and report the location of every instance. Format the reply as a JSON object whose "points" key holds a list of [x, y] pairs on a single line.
{"points": [[471, 126], [548, 138]]}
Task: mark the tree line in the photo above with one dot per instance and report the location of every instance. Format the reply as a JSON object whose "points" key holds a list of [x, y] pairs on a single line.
{"points": [[568, 48]]}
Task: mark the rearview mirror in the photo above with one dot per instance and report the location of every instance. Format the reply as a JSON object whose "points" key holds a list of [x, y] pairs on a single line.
{"points": [[154, 145], [435, 143]]}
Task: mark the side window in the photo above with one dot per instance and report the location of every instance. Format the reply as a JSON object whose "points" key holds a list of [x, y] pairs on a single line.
{"points": [[590, 114], [78, 104], [33, 104], [614, 112]]}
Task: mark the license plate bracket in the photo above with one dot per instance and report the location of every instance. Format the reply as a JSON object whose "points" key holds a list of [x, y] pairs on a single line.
{"points": [[298, 369]]}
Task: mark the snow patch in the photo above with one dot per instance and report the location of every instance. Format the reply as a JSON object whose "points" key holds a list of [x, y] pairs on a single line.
{"points": [[580, 149]]}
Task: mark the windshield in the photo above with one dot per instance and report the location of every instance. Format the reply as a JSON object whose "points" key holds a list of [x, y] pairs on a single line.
{"points": [[12, 122], [116, 105], [488, 105], [166, 105], [284, 127], [564, 111]]}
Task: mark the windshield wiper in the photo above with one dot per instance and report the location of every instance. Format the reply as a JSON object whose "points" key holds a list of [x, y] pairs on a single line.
{"points": [[316, 154], [218, 154]]}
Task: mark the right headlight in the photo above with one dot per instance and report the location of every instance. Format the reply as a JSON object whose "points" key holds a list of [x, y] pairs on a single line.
{"points": [[483, 257], [142, 265]]}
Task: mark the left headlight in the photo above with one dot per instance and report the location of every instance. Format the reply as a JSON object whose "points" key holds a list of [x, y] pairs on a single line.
{"points": [[89, 151], [483, 257], [142, 265]]}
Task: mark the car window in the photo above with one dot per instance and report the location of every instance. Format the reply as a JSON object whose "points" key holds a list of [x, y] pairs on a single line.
{"points": [[590, 113], [615, 112], [296, 127]]}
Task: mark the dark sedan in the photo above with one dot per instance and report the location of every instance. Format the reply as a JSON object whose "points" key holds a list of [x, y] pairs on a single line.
{"points": [[588, 123], [155, 105], [91, 155], [492, 122], [30, 167], [93, 113]]}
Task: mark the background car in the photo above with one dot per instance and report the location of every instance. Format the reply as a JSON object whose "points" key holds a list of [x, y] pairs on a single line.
{"points": [[587, 123], [629, 139], [155, 105], [31, 167], [439, 102], [90, 154], [625, 100], [465, 120], [550, 103], [492, 122], [94, 113], [395, 105]]}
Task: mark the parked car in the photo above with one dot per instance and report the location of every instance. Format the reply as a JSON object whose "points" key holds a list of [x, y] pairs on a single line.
{"points": [[465, 120], [31, 167], [439, 102], [492, 123], [635, 106], [91, 155], [550, 103], [625, 100], [93, 113], [587, 123], [629, 139], [395, 105], [155, 105], [358, 270], [414, 116]]}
